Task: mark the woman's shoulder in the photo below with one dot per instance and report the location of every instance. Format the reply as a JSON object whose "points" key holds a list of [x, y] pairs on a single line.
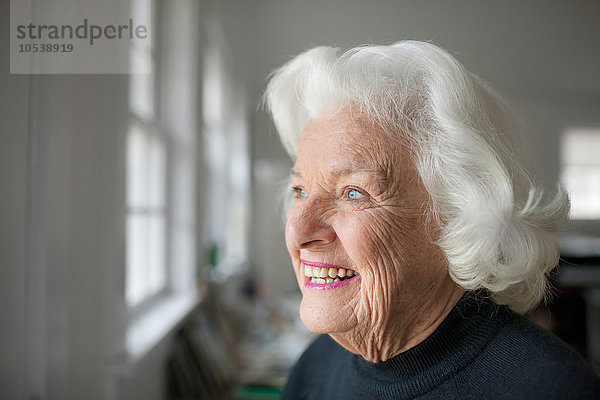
{"points": [[530, 362], [522, 336]]}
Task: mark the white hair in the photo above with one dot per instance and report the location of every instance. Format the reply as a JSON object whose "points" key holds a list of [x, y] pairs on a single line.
{"points": [[496, 225]]}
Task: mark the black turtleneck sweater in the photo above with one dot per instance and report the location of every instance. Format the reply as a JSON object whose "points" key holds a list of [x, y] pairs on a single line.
{"points": [[480, 351]]}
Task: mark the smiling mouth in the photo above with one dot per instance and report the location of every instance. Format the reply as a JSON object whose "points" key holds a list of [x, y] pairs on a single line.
{"points": [[326, 275]]}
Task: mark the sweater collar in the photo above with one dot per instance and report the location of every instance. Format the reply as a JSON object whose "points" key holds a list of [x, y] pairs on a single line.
{"points": [[454, 344]]}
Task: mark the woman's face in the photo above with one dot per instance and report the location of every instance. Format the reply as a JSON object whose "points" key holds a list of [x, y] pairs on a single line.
{"points": [[360, 211]]}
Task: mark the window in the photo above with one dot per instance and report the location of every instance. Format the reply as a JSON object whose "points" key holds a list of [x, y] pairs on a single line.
{"points": [[226, 156], [580, 170], [146, 264], [146, 214], [161, 159], [160, 270]]}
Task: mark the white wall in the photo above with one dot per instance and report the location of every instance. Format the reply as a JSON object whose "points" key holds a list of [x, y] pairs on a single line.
{"points": [[14, 156], [536, 46], [66, 218]]}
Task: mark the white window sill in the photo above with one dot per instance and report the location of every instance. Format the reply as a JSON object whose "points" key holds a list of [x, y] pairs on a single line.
{"points": [[149, 329]]}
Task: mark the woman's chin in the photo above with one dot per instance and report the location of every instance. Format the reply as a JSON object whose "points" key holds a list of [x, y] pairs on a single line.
{"points": [[321, 317]]}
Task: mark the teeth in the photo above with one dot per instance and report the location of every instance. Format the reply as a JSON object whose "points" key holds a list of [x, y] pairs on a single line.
{"points": [[308, 270], [327, 275]]}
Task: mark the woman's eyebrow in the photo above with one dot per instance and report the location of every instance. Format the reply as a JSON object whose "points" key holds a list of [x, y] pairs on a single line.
{"points": [[378, 173], [295, 173]]}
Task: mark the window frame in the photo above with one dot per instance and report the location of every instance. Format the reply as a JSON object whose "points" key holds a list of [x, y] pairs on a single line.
{"points": [[146, 303], [152, 127], [148, 323]]}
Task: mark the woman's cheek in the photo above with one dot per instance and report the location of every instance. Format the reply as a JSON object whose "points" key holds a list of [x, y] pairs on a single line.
{"points": [[367, 244]]}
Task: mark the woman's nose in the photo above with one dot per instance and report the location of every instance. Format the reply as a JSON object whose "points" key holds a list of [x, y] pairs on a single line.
{"points": [[307, 228]]}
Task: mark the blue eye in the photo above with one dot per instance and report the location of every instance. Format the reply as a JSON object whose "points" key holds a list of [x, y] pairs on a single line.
{"points": [[353, 194], [299, 192]]}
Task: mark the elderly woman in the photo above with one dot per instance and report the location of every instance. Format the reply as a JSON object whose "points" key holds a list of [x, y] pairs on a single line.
{"points": [[416, 234]]}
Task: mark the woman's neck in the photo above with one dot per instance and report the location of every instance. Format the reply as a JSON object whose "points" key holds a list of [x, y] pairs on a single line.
{"points": [[408, 326]]}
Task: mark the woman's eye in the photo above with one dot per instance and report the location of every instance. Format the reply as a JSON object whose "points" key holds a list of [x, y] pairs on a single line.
{"points": [[353, 194], [299, 192]]}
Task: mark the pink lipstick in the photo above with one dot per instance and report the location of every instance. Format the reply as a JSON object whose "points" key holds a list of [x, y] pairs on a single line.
{"points": [[325, 286], [320, 275]]}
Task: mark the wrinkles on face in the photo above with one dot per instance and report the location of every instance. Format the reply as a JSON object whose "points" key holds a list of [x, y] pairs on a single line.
{"points": [[380, 232], [390, 283]]}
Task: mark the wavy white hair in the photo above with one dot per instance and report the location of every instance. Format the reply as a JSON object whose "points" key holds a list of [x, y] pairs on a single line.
{"points": [[496, 225]]}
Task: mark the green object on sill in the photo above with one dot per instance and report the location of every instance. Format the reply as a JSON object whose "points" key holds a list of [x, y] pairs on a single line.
{"points": [[257, 393], [213, 256]]}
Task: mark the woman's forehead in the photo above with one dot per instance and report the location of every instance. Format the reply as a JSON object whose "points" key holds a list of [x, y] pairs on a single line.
{"points": [[334, 148], [348, 141]]}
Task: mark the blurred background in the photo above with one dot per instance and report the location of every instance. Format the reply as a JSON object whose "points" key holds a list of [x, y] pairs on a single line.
{"points": [[142, 250]]}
